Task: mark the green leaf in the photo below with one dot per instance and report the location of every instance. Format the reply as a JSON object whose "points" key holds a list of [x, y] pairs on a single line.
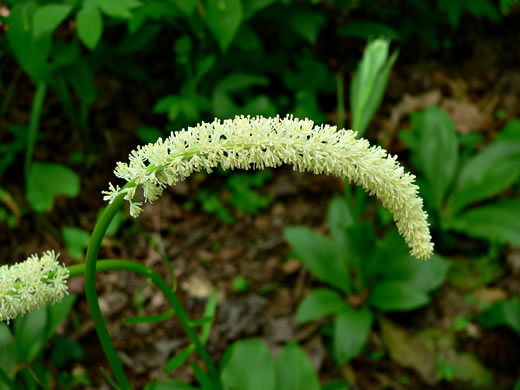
{"points": [[486, 174], [253, 6], [32, 54], [115, 8], [294, 370], [65, 350], [340, 217], [9, 352], [56, 314], [48, 17], [351, 330], [511, 131], [249, 367], [186, 6], [437, 151], [179, 358], [319, 303], [502, 313], [498, 221], [369, 83], [392, 261], [47, 181], [89, 24], [76, 240], [30, 332], [320, 255], [307, 23], [223, 18], [396, 296]]}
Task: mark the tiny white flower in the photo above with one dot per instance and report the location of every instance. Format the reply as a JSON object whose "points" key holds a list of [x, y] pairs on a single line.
{"points": [[258, 143], [31, 284]]}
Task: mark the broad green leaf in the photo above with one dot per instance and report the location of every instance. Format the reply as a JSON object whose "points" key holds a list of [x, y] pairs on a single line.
{"points": [[48, 17], [319, 255], [369, 83], [65, 350], [340, 217], [294, 370], [253, 6], [9, 352], [502, 313], [320, 303], [249, 367], [115, 8], [31, 334], [307, 23], [56, 314], [486, 174], [186, 6], [391, 261], [76, 240], [351, 330], [510, 133], [437, 151], [31, 53], [396, 296], [223, 18], [81, 77], [498, 221], [89, 24], [48, 180]]}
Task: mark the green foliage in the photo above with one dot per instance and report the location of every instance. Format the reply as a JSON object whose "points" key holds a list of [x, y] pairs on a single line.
{"points": [[369, 82], [379, 276], [76, 240], [452, 184], [502, 313], [22, 357], [46, 181], [249, 366]]}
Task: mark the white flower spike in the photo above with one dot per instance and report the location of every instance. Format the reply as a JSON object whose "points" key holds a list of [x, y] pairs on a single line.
{"points": [[244, 143], [31, 284]]}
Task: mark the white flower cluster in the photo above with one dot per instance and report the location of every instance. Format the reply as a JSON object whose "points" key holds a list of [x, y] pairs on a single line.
{"points": [[30, 284], [244, 143]]}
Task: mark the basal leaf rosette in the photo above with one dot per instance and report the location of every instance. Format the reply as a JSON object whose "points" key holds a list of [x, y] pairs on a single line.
{"points": [[258, 143]]}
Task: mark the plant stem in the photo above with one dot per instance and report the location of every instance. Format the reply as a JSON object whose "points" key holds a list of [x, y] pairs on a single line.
{"points": [[341, 100], [91, 293], [132, 266], [36, 112], [90, 267]]}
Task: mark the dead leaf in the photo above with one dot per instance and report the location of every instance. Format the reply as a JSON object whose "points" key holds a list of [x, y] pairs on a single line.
{"points": [[408, 351], [409, 104], [468, 117]]}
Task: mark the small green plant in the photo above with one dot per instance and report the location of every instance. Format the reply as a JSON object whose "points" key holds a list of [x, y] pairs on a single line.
{"points": [[24, 363], [359, 286], [502, 313], [465, 191]]}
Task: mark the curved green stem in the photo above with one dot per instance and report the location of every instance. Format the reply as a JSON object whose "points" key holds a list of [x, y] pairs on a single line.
{"points": [[92, 265], [132, 266], [91, 293]]}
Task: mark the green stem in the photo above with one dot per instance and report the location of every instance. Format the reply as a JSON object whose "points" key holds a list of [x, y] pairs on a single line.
{"points": [[132, 266], [341, 100], [36, 112], [92, 298]]}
